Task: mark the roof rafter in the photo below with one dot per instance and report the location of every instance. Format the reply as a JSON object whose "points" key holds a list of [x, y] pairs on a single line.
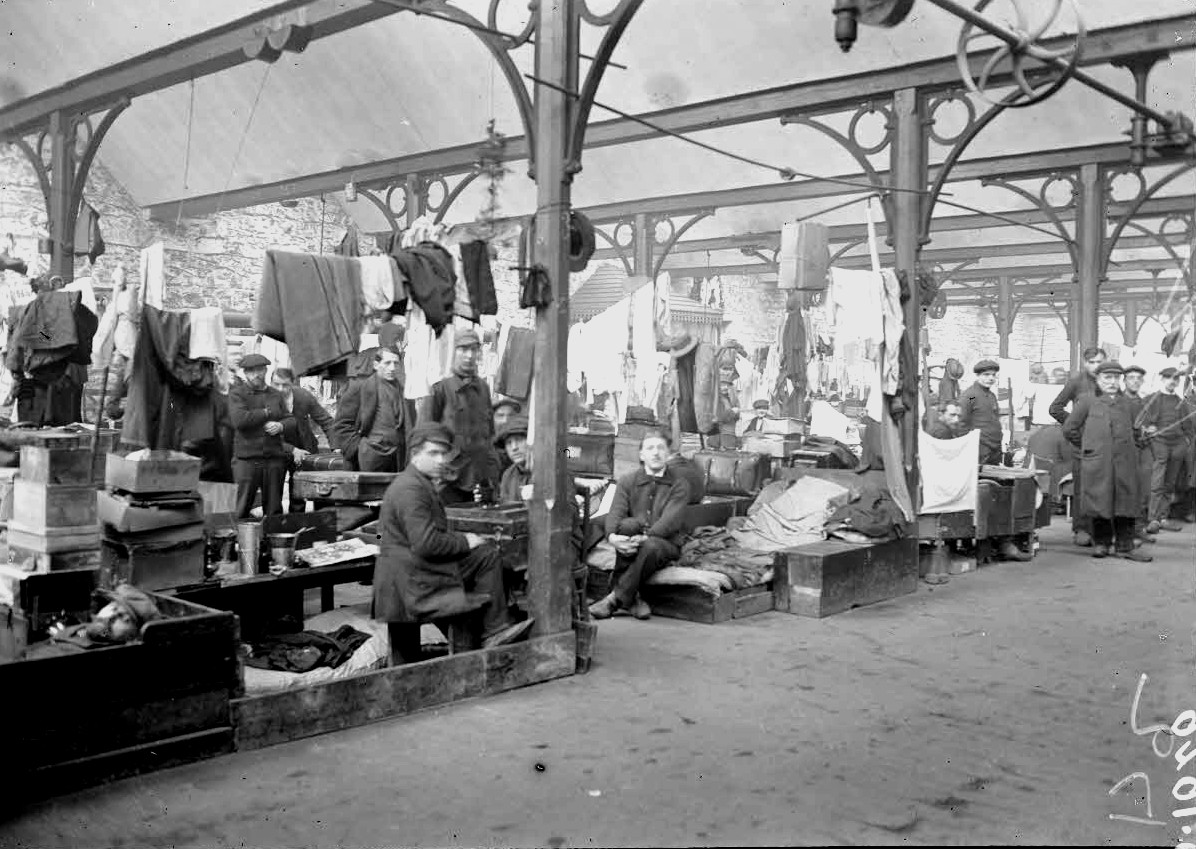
{"points": [[1110, 44]]}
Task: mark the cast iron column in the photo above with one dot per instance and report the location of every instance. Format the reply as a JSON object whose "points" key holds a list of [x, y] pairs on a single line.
{"points": [[642, 259], [1090, 236], [550, 511], [909, 172], [1004, 314], [1130, 334], [62, 181]]}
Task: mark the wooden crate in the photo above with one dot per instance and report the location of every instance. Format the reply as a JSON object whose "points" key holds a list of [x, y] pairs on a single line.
{"points": [[507, 520], [158, 472], [43, 596], [590, 454], [108, 712], [44, 505], [828, 577], [694, 604], [56, 465]]}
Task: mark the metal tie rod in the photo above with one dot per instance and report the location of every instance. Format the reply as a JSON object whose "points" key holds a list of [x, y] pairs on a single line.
{"points": [[1015, 41]]}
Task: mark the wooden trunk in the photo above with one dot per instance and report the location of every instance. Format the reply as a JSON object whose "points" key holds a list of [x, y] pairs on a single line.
{"points": [[824, 578], [41, 597], [960, 524], [696, 605], [154, 565], [28, 560], [771, 444], [114, 711], [42, 505], [509, 521], [53, 540]]}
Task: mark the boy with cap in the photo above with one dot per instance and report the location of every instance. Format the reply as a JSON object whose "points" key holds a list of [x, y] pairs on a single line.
{"points": [[504, 408], [1102, 427], [259, 416], [427, 573], [978, 410], [759, 413], [461, 402], [1167, 423], [512, 441]]}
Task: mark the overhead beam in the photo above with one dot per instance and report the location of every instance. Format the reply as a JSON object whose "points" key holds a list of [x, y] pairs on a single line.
{"points": [[200, 55], [1111, 44], [1058, 288], [1012, 167], [769, 268]]}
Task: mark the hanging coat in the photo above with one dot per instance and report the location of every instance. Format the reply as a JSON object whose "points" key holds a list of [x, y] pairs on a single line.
{"points": [[1102, 427], [706, 388]]}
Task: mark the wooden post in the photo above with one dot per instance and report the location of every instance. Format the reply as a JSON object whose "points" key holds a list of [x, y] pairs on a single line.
{"points": [[1090, 237], [1004, 314], [550, 511], [62, 181], [909, 172]]}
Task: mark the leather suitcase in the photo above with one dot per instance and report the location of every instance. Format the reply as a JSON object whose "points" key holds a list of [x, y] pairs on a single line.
{"points": [[358, 487], [330, 462], [591, 454], [733, 472]]}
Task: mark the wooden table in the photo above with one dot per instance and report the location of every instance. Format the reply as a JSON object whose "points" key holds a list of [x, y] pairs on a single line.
{"points": [[257, 598]]}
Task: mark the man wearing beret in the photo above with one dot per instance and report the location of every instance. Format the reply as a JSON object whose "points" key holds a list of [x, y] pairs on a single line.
{"points": [[1167, 424], [427, 573], [259, 416], [1077, 386], [1102, 427], [461, 402], [978, 410]]}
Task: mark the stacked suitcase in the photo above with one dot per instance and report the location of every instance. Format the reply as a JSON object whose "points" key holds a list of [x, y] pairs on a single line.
{"points": [[153, 520], [53, 544]]}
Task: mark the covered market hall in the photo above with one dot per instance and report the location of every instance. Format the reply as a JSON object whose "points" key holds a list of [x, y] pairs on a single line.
{"points": [[598, 422]]}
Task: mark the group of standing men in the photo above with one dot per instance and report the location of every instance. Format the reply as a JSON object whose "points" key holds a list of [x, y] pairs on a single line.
{"points": [[1131, 448]]}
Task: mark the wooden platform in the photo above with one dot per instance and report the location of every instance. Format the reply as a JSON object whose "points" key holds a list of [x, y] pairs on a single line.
{"points": [[696, 605], [335, 705], [828, 577]]}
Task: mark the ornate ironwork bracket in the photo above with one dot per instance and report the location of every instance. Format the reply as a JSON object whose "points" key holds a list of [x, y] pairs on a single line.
{"points": [[62, 156], [625, 249], [1039, 200], [1144, 194], [675, 233], [417, 195]]}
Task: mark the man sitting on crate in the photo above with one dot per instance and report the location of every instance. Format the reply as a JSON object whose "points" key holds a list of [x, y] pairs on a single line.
{"points": [[644, 526], [427, 573]]}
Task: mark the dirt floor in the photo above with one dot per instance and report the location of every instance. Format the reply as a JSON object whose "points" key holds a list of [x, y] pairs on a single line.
{"points": [[994, 709]]}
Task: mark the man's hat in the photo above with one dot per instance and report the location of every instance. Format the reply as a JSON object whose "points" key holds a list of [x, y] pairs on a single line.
{"points": [[986, 365], [515, 426], [254, 361], [760, 405], [681, 344], [1110, 367], [430, 432], [467, 338], [503, 401], [1135, 370], [1169, 372]]}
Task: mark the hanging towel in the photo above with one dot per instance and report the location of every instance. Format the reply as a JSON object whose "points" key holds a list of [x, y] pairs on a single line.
{"points": [[84, 286], [380, 285], [153, 271], [475, 265], [313, 303], [805, 255], [857, 300], [427, 358], [128, 319], [207, 334], [89, 241], [514, 378], [104, 342], [643, 344], [948, 471]]}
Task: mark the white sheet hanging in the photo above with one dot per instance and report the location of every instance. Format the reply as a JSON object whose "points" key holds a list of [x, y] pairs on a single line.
{"points": [[208, 340], [949, 472]]}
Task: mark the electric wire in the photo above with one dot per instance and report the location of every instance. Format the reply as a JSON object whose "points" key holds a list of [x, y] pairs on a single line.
{"points": [[1008, 220], [244, 134], [785, 172]]}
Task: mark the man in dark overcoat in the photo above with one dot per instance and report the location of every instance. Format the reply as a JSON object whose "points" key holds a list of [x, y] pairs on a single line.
{"points": [[461, 402], [1077, 386], [371, 418], [427, 573], [1102, 427], [980, 411]]}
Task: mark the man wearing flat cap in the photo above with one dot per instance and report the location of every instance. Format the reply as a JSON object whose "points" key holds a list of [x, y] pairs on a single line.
{"points": [[259, 416], [427, 573], [461, 402], [978, 410], [1167, 425], [1102, 427], [512, 441], [759, 413]]}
